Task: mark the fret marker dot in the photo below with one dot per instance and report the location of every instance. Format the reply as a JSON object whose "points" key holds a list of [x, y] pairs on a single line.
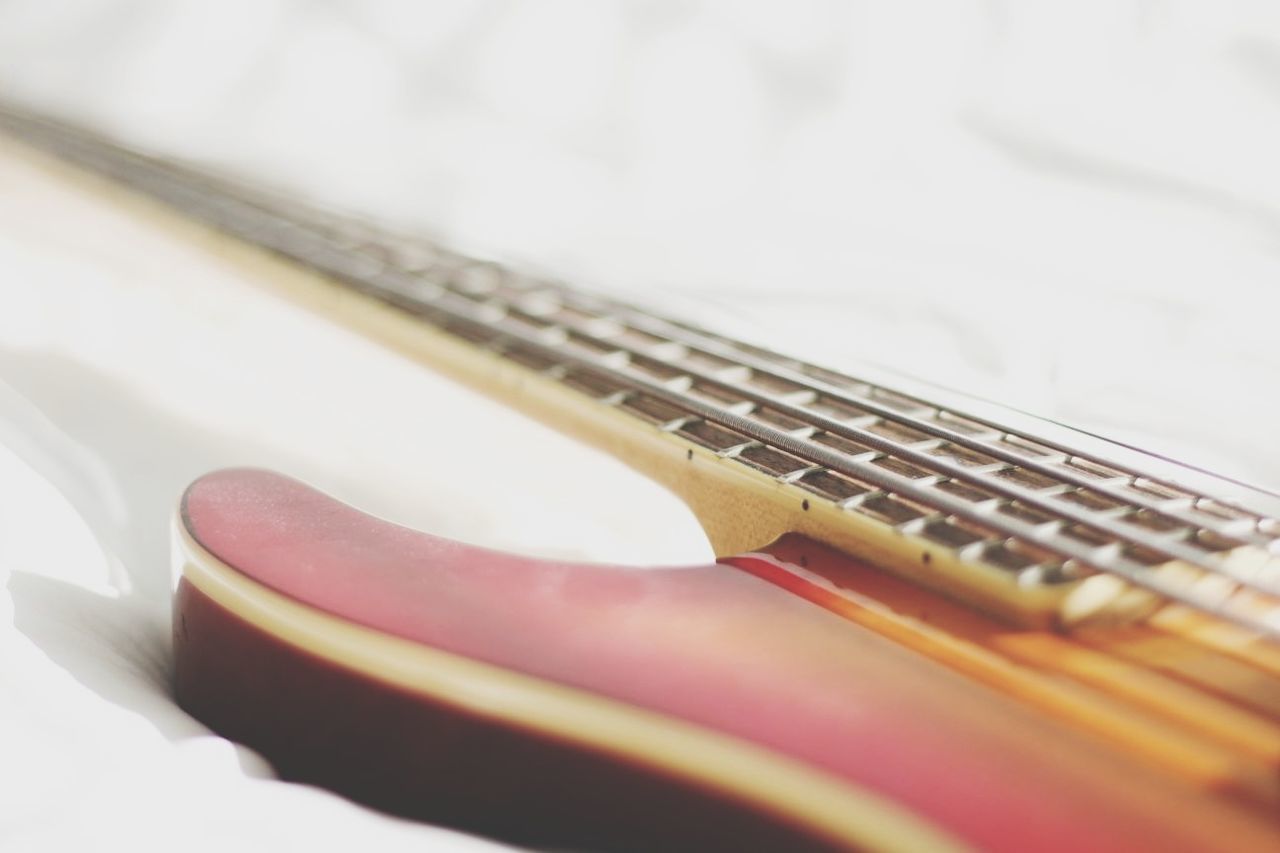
{"points": [[805, 505], [689, 453], [926, 558]]}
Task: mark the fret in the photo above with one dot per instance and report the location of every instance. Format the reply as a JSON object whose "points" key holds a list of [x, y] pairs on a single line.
{"points": [[1047, 514]]}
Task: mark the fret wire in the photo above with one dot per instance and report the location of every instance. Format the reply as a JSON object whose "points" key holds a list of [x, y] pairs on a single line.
{"points": [[1173, 549], [399, 287], [700, 341]]}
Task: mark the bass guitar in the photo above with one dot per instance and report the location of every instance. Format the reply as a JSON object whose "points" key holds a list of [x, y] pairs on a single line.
{"points": [[934, 624]]}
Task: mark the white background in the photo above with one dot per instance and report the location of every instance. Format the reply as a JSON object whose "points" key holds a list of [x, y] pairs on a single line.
{"points": [[1071, 208]]}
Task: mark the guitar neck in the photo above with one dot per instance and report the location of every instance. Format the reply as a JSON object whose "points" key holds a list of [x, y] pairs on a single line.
{"points": [[1025, 524]]}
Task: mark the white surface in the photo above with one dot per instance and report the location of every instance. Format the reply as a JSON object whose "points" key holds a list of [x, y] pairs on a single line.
{"points": [[1074, 208]]}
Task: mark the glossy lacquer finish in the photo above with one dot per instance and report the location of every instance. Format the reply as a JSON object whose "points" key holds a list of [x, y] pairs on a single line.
{"points": [[711, 646]]}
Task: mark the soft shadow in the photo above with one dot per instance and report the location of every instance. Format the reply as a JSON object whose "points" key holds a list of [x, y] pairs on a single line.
{"points": [[118, 648], [1052, 157], [1260, 60], [122, 464]]}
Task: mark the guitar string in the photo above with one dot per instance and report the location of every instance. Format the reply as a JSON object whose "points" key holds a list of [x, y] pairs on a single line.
{"points": [[1106, 559]]}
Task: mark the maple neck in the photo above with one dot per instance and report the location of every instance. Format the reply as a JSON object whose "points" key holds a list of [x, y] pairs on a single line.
{"points": [[1040, 514]]}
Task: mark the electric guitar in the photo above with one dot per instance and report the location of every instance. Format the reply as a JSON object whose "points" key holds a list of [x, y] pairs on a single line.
{"points": [[932, 625]]}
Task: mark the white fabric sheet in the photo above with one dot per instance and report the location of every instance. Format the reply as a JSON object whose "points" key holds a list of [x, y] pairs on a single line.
{"points": [[1071, 208]]}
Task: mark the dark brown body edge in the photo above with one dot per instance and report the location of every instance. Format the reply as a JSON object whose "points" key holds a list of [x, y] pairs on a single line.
{"points": [[408, 755]]}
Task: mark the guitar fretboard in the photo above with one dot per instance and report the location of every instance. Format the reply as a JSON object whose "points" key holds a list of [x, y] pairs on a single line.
{"points": [[1038, 512]]}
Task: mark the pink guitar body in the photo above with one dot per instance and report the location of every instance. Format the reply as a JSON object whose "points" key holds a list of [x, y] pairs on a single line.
{"points": [[711, 649]]}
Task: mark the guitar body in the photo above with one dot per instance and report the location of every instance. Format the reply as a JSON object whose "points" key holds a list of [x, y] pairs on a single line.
{"points": [[614, 708]]}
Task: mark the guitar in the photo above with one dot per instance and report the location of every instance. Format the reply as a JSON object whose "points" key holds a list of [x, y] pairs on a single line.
{"points": [[931, 627]]}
